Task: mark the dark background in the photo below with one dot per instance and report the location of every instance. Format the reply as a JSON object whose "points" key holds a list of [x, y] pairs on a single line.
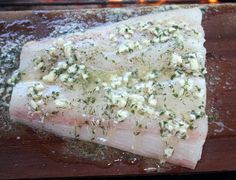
{"points": [[7, 5]]}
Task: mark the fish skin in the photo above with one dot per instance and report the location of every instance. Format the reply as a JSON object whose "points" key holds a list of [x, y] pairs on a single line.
{"points": [[71, 122]]}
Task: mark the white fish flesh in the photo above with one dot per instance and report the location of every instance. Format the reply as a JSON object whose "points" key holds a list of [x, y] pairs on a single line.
{"points": [[137, 85]]}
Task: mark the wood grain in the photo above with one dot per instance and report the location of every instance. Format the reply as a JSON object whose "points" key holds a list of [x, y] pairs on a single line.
{"points": [[81, 2], [24, 157]]}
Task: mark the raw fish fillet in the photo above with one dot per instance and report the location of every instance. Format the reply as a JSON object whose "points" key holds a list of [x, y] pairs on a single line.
{"points": [[95, 86]]}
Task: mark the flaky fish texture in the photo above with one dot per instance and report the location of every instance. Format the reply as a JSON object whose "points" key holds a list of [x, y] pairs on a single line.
{"points": [[137, 85]]}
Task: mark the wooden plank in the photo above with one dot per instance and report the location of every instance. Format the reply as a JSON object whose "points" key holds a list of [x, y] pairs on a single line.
{"points": [[72, 2], [33, 155]]}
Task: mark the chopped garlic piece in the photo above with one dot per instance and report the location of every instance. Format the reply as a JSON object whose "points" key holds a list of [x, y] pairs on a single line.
{"points": [[61, 103], [70, 80], [122, 114], [130, 45], [39, 87], [149, 110], [156, 40], [123, 48], [81, 66], [50, 77], [16, 76], [171, 29], [2, 90], [52, 51], [64, 77], [119, 98], [72, 69], [127, 36], [146, 42], [192, 116], [116, 82], [97, 88], [194, 64], [126, 76], [136, 98], [164, 38], [167, 113], [68, 50], [62, 65], [181, 82], [168, 152], [60, 42], [176, 60], [181, 92], [33, 104], [85, 76], [204, 71], [112, 36], [151, 75], [39, 66], [152, 100]]}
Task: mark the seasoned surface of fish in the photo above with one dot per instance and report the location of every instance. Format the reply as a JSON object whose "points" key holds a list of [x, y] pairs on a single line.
{"points": [[136, 85]]}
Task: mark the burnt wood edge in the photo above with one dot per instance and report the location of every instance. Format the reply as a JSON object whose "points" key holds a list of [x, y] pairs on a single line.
{"points": [[224, 175]]}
